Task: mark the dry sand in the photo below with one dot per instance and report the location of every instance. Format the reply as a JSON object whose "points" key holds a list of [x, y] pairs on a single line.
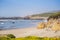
{"points": [[31, 31]]}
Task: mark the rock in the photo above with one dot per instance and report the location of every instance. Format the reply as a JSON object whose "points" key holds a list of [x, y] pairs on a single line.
{"points": [[41, 25], [49, 23], [56, 26], [52, 24]]}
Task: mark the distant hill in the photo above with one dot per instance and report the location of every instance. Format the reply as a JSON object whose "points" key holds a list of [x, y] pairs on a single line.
{"points": [[44, 14], [41, 15]]}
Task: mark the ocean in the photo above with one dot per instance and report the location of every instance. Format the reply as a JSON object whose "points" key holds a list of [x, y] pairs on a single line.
{"points": [[12, 24]]}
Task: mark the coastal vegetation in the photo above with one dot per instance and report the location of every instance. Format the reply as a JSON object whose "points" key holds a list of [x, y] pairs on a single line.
{"points": [[37, 38], [11, 36], [7, 36], [54, 16], [29, 38], [47, 14]]}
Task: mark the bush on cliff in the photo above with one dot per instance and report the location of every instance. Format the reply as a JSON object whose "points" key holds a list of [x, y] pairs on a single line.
{"points": [[55, 16]]}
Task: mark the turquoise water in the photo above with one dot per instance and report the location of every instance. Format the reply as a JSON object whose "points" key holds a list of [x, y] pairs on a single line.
{"points": [[10, 24]]}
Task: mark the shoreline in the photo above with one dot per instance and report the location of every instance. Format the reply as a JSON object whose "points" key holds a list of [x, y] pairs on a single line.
{"points": [[16, 31], [16, 28], [31, 31]]}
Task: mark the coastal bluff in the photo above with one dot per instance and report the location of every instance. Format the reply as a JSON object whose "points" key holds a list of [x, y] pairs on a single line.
{"points": [[53, 22]]}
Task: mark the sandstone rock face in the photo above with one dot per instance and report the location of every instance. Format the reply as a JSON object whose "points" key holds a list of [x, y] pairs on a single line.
{"points": [[49, 23], [41, 25], [52, 24], [56, 26]]}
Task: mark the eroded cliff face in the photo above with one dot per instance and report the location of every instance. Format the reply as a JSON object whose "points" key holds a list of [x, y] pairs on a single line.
{"points": [[56, 25], [41, 25], [53, 24]]}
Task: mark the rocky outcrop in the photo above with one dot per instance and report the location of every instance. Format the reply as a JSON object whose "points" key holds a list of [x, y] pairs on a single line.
{"points": [[53, 24], [41, 25], [56, 26]]}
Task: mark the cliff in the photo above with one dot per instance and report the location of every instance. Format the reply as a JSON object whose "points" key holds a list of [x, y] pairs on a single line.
{"points": [[53, 23]]}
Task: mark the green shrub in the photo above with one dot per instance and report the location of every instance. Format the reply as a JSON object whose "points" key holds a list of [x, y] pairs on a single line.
{"points": [[4, 38], [11, 36], [54, 16]]}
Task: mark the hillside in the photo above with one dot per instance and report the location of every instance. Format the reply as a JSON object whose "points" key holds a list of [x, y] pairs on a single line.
{"points": [[41, 15], [44, 14]]}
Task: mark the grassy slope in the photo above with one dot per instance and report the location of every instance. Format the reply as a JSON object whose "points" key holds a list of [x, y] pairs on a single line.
{"points": [[36, 38], [30, 38], [45, 14]]}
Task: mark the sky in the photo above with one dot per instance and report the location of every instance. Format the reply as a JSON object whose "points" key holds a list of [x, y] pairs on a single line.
{"points": [[11, 8]]}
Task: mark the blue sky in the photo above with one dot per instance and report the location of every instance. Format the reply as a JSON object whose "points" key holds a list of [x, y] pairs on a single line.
{"points": [[27, 7]]}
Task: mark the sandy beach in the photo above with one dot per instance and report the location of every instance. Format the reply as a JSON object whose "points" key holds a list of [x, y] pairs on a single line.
{"points": [[31, 31]]}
